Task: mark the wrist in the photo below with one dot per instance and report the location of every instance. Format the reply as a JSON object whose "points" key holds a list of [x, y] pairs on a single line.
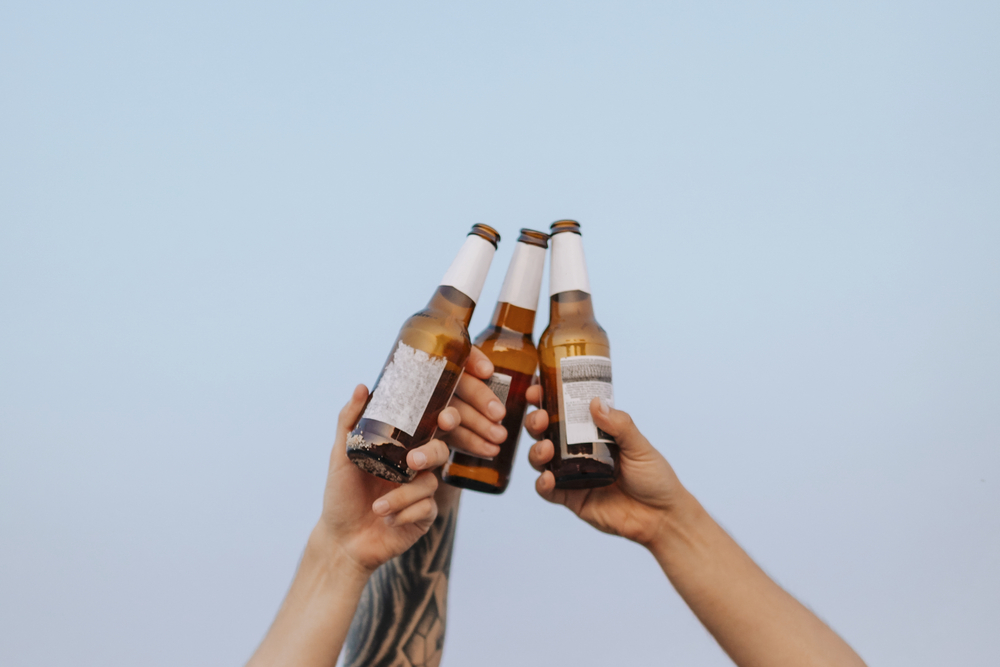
{"points": [[315, 616], [323, 550], [678, 528]]}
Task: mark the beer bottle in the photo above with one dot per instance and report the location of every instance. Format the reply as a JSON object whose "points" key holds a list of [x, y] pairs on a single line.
{"points": [[423, 367], [507, 342], [575, 361]]}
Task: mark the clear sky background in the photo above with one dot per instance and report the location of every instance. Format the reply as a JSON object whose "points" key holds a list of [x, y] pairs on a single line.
{"points": [[215, 216]]}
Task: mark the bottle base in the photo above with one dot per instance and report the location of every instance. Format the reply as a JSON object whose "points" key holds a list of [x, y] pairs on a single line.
{"points": [[373, 463], [585, 472], [472, 484], [584, 481], [473, 477]]}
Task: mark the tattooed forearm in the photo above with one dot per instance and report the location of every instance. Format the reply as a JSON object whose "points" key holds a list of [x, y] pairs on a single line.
{"points": [[400, 620]]}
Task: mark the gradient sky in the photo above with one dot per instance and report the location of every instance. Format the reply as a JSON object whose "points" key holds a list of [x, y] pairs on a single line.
{"points": [[213, 219]]}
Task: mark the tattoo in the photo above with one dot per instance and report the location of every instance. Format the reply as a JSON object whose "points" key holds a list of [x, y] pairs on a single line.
{"points": [[400, 620]]}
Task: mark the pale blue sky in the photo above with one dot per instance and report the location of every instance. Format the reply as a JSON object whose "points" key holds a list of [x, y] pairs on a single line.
{"points": [[214, 219]]}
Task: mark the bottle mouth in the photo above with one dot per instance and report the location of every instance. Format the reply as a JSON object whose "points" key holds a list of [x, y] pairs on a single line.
{"points": [[486, 232], [534, 237], [565, 226]]}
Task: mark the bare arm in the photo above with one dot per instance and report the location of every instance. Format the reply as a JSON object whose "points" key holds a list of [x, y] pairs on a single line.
{"points": [[754, 620]]}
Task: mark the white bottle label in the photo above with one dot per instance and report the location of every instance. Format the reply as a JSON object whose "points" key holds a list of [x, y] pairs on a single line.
{"points": [[467, 272], [581, 379], [499, 384], [524, 277], [405, 388]]}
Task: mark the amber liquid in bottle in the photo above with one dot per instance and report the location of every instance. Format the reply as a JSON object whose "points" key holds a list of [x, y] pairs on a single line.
{"points": [[575, 366], [423, 368], [507, 342]]}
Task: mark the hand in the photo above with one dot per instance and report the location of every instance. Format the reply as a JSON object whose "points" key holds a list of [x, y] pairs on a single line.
{"points": [[372, 520], [638, 504], [476, 430]]}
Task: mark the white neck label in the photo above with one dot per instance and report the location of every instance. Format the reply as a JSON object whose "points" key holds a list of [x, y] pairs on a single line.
{"points": [[468, 272], [569, 267], [524, 277]]}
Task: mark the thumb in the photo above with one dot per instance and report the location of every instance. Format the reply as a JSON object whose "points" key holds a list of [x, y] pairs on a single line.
{"points": [[619, 425], [349, 416]]}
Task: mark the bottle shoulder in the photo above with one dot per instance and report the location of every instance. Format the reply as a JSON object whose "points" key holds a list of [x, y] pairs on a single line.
{"points": [[436, 333], [508, 349], [572, 332], [428, 318], [503, 337]]}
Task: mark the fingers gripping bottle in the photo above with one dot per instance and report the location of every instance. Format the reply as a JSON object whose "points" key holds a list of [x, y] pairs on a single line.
{"points": [[507, 342], [575, 362], [423, 367]]}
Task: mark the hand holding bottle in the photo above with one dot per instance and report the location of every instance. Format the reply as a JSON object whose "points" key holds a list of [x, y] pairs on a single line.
{"points": [[476, 409], [647, 489], [754, 620], [372, 520], [368, 519]]}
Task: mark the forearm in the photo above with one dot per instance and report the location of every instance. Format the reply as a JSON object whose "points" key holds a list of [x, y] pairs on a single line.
{"points": [[754, 620], [401, 617], [314, 618]]}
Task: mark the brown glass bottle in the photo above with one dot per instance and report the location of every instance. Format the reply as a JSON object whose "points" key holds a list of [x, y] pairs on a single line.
{"points": [[423, 367], [575, 366], [507, 342]]}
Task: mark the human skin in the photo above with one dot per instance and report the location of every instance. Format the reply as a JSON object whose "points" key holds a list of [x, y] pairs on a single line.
{"points": [[753, 619], [367, 521]]}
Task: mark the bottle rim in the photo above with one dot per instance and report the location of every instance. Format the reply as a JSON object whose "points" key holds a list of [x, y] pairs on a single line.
{"points": [[534, 237], [486, 232], [565, 226]]}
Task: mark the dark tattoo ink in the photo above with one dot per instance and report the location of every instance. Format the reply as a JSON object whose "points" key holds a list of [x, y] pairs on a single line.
{"points": [[400, 620]]}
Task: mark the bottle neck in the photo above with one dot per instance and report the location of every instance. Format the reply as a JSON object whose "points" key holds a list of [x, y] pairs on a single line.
{"points": [[452, 303], [524, 277], [467, 272], [571, 305], [518, 299], [509, 316], [568, 272]]}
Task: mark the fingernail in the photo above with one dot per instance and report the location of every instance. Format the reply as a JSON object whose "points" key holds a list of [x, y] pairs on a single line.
{"points": [[498, 433], [380, 506], [448, 419], [605, 406], [495, 409], [419, 459], [494, 450], [484, 367], [389, 520]]}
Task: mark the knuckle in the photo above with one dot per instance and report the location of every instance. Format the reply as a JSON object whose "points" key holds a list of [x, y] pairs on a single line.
{"points": [[393, 501], [443, 451]]}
